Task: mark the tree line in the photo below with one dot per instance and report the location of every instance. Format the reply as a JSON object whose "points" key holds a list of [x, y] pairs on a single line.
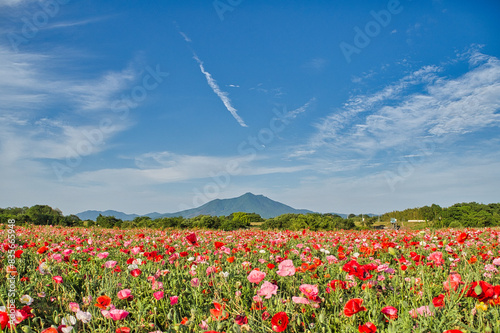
{"points": [[459, 215], [470, 214]]}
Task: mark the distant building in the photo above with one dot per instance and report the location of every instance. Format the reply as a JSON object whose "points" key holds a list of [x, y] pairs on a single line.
{"points": [[417, 221]]}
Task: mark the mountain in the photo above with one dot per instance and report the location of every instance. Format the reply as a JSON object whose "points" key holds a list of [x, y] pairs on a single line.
{"points": [[248, 202], [93, 214]]}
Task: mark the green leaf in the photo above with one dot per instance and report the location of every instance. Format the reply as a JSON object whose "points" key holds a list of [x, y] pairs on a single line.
{"points": [[468, 327], [478, 290]]}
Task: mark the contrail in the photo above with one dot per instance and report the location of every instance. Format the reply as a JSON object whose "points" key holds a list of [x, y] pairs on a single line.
{"points": [[211, 82], [222, 94]]}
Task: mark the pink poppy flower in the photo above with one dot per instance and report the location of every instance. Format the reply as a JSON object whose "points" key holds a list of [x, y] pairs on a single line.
{"points": [[436, 257], [257, 298], [382, 268], [300, 300], [195, 282], [203, 325], [256, 276], [453, 282], [267, 290], [286, 268], [311, 291], [210, 270], [390, 311], [103, 255], [117, 314], [422, 311], [157, 285], [74, 307], [125, 294], [110, 264], [57, 279], [158, 295], [332, 260], [174, 300]]}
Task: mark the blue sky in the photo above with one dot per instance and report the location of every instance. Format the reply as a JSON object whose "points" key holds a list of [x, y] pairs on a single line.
{"points": [[333, 106]]}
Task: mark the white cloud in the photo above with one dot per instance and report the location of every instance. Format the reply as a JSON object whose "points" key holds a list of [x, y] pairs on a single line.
{"points": [[184, 36], [13, 3], [67, 24], [29, 81], [393, 117], [442, 179], [167, 167], [315, 65], [294, 113], [32, 85]]}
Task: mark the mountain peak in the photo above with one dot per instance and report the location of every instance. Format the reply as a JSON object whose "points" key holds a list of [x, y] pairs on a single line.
{"points": [[248, 203]]}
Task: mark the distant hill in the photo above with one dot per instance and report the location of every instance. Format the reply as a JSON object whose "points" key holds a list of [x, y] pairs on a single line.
{"points": [[248, 202], [93, 214]]}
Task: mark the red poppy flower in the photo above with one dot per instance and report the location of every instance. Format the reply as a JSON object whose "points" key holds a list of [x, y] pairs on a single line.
{"points": [[218, 312], [42, 250], [270, 266], [258, 306], [230, 259], [123, 330], [103, 302], [367, 328], [49, 330], [334, 284], [241, 320], [353, 306], [279, 322], [135, 272], [362, 272], [191, 238], [481, 290], [218, 245], [4, 319], [462, 238], [453, 331], [438, 301]]}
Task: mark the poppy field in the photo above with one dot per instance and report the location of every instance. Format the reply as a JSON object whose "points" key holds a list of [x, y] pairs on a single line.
{"points": [[61, 279]]}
